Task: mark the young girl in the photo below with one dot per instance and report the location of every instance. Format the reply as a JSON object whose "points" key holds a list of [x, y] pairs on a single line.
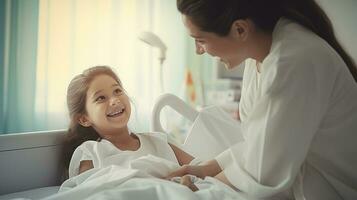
{"points": [[98, 135]]}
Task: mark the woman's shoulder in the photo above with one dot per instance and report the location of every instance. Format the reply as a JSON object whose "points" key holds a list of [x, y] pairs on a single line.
{"points": [[296, 50], [295, 43], [295, 59]]}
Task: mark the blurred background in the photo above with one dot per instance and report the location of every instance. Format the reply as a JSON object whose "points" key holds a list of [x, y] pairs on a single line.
{"points": [[45, 43]]}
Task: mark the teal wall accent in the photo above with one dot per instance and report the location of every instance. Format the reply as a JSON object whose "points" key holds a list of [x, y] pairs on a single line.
{"points": [[19, 100], [2, 53]]}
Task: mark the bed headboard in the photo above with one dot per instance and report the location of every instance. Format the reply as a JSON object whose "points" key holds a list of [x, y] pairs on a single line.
{"points": [[213, 130], [30, 160]]}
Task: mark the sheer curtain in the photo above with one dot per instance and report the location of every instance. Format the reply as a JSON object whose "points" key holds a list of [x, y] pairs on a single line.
{"points": [[75, 35], [45, 43]]}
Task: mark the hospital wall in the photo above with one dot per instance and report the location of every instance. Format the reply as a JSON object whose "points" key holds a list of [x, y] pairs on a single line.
{"points": [[343, 16]]}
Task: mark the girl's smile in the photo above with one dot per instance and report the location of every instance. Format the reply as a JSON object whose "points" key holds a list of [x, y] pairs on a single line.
{"points": [[107, 105]]}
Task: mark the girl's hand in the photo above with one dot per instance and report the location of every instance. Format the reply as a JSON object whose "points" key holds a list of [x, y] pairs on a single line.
{"points": [[209, 168], [186, 180]]}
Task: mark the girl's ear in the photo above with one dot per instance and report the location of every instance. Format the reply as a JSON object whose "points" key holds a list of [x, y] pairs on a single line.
{"points": [[240, 29], [84, 121]]}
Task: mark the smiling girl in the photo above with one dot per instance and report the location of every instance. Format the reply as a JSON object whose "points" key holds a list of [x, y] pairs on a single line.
{"points": [[99, 110]]}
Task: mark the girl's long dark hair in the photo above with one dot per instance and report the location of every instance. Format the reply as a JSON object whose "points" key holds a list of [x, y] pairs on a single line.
{"points": [[217, 16], [76, 101]]}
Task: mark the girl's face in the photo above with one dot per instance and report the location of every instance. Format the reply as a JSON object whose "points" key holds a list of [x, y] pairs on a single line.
{"points": [[228, 48], [107, 105]]}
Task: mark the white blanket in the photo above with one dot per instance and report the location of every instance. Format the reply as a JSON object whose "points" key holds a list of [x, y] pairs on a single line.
{"points": [[115, 182]]}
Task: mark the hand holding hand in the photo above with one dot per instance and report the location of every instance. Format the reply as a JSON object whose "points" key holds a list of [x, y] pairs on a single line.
{"points": [[209, 168], [186, 180]]}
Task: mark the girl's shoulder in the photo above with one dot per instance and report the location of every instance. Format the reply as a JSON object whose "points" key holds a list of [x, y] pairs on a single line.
{"points": [[88, 144], [92, 146], [154, 136], [85, 151]]}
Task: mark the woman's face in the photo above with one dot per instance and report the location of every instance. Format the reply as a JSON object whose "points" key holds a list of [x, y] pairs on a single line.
{"points": [[107, 105], [229, 49]]}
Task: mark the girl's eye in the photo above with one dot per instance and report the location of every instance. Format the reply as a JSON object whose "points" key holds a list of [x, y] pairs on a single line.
{"points": [[100, 98], [118, 91]]}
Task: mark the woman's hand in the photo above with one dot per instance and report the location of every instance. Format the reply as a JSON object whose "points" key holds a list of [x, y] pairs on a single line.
{"points": [[209, 168]]}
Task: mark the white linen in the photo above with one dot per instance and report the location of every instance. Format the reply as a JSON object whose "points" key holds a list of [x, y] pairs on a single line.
{"points": [[104, 153], [115, 182], [134, 174], [212, 132], [299, 122]]}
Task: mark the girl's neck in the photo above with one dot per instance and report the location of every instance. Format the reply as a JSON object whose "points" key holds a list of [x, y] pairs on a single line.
{"points": [[131, 143], [123, 140]]}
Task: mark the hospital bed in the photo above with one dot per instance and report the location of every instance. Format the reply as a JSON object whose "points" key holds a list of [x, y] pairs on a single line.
{"points": [[30, 162]]}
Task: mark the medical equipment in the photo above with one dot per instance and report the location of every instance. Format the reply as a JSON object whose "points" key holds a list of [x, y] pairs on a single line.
{"points": [[30, 162], [154, 41]]}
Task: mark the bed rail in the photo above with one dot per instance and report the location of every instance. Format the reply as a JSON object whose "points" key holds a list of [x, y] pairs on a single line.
{"points": [[176, 104]]}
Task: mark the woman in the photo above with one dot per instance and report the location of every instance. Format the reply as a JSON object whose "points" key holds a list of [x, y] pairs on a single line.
{"points": [[299, 98]]}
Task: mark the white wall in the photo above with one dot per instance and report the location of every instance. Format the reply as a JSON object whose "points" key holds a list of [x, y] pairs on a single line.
{"points": [[343, 15]]}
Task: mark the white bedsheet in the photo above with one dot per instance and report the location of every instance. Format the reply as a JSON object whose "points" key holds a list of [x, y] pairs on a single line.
{"points": [[115, 182]]}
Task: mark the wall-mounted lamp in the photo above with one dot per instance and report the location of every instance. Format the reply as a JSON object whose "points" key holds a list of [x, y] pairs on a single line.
{"points": [[154, 41]]}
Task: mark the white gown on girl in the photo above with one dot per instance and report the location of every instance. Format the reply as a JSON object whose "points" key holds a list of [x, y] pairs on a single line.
{"points": [[104, 153], [299, 122]]}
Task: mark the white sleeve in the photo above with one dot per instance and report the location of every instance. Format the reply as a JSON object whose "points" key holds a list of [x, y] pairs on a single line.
{"points": [[81, 153], [278, 131]]}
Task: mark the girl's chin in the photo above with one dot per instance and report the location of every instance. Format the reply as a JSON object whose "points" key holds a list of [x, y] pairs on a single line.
{"points": [[116, 124]]}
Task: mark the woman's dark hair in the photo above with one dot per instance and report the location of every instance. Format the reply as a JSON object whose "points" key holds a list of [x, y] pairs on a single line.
{"points": [[76, 103], [217, 16]]}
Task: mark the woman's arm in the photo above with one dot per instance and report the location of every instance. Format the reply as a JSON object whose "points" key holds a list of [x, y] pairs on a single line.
{"points": [[85, 165], [182, 157], [209, 168]]}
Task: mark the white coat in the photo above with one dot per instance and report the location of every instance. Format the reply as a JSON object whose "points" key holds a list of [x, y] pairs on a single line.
{"points": [[299, 122]]}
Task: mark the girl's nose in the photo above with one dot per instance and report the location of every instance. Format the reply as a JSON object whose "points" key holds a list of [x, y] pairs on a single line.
{"points": [[199, 49], [114, 101]]}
